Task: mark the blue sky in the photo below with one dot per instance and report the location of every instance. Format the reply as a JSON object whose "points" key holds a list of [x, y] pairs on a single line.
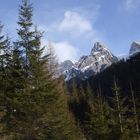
{"points": [[74, 25]]}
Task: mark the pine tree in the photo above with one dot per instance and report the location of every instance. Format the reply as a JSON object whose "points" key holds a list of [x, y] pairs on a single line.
{"points": [[98, 124], [55, 121], [119, 109], [52, 61], [74, 101], [19, 74], [33, 106], [5, 85], [25, 32], [135, 121], [40, 110]]}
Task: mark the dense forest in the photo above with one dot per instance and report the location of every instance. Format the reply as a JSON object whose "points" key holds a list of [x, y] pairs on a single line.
{"points": [[35, 105], [125, 72], [113, 95]]}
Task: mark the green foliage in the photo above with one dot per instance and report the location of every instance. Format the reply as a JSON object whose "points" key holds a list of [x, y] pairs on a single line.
{"points": [[5, 85], [104, 118], [33, 106], [98, 126]]}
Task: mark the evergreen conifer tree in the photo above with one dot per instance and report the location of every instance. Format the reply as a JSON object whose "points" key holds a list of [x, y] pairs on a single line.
{"points": [[98, 124], [52, 61], [135, 130], [40, 109], [6, 109], [119, 109]]}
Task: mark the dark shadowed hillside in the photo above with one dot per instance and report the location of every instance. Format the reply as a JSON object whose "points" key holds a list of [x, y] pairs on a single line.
{"points": [[124, 72]]}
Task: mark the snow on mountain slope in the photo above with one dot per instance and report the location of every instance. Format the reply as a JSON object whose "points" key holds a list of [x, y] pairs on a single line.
{"points": [[99, 58], [65, 66], [135, 48]]}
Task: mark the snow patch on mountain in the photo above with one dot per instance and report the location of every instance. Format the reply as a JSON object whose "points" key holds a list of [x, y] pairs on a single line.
{"points": [[99, 58], [135, 48]]}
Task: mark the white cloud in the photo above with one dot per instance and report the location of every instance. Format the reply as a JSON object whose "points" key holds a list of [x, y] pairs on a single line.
{"points": [[131, 4], [65, 51], [75, 23]]}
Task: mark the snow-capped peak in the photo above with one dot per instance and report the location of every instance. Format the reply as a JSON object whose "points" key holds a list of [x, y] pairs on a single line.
{"points": [[98, 46], [135, 48], [99, 58]]}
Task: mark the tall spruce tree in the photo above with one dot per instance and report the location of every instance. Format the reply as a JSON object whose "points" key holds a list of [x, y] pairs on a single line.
{"points": [[119, 109], [53, 121], [41, 111], [52, 61], [135, 130], [6, 109], [25, 32], [99, 119]]}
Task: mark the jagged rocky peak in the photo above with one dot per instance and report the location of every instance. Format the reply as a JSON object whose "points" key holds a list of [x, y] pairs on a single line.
{"points": [[81, 60], [100, 48], [135, 48], [99, 58], [66, 65]]}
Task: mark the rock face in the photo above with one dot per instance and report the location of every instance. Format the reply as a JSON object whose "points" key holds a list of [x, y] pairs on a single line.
{"points": [[135, 48], [65, 66], [99, 58]]}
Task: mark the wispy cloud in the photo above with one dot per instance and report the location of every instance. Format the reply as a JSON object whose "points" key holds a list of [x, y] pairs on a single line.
{"points": [[72, 25], [131, 4], [66, 51], [63, 50], [75, 23]]}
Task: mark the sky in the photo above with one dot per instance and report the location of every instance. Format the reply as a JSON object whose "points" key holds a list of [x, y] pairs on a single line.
{"points": [[73, 26]]}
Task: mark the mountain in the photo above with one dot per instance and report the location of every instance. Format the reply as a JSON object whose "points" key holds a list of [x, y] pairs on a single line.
{"points": [[124, 72], [135, 48], [99, 59], [65, 66]]}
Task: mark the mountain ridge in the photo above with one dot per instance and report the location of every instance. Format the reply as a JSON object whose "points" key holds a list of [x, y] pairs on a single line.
{"points": [[99, 59]]}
